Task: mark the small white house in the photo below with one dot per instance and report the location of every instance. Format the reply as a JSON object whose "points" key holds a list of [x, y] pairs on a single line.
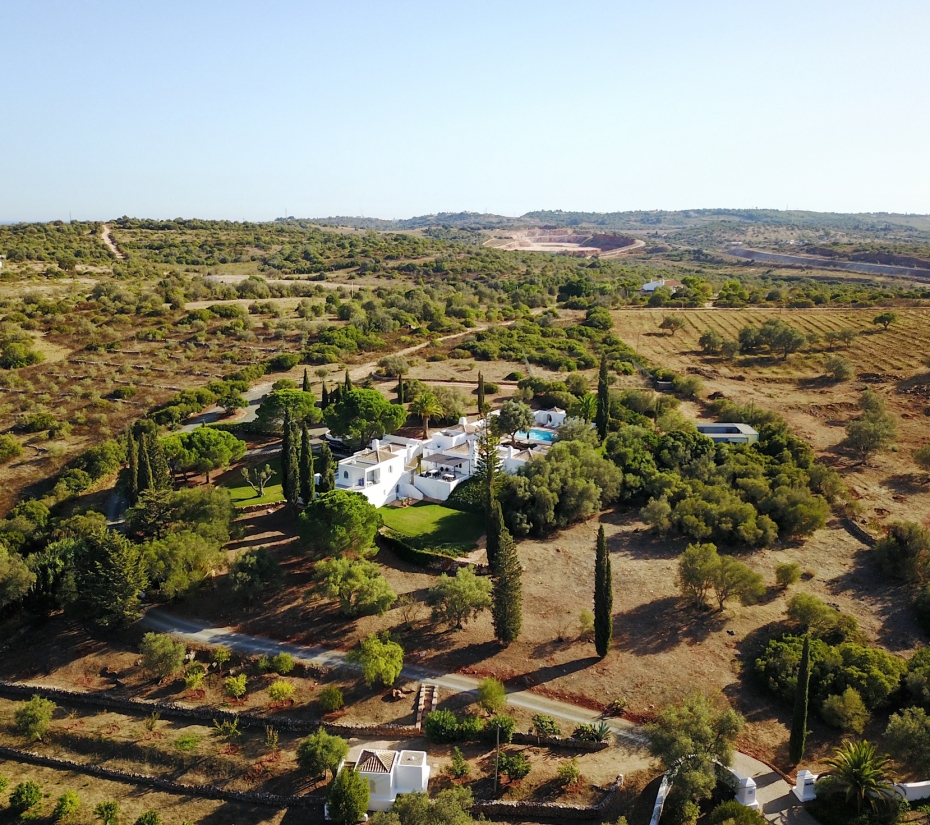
{"points": [[550, 418], [651, 286], [376, 473], [729, 433], [390, 773]]}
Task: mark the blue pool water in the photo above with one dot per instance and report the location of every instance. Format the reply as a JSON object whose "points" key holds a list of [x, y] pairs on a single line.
{"points": [[538, 435]]}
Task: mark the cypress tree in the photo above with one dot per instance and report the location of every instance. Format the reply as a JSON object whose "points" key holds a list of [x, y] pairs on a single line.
{"points": [[603, 597], [158, 463], [507, 608], [306, 383], [145, 466], [347, 386], [324, 403], [400, 389], [480, 393], [132, 453], [327, 470], [495, 531], [336, 395], [798, 738], [602, 417], [306, 465], [293, 464], [286, 454]]}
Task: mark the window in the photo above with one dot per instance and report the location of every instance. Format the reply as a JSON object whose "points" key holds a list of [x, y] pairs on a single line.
{"points": [[345, 473]]}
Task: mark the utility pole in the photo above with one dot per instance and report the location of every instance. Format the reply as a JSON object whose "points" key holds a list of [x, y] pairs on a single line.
{"points": [[497, 758]]}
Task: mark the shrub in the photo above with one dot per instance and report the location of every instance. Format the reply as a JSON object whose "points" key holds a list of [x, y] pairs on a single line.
{"points": [[34, 717], [503, 723], [845, 711], [235, 686], [492, 695], [221, 656], [348, 797], [186, 743], [162, 656], [10, 448], [26, 795], [733, 813], [107, 812], [588, 732], [568, 772], [331, 699], [545, 726], [490, 388], [904, 552], [442, 726], [459, 768], [66, 805], [280, 691], [149, 818], [516, 375], [787, 574], [908, 738], [514, 766], [282, 664]]}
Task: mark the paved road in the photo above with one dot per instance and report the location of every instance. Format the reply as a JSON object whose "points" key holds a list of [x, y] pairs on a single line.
{"points": [[774, 794]]}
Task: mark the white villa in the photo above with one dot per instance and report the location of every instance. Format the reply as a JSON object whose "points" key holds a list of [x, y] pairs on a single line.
{"points": [[390, 773], [729, 433], [417, 468], [651, 286]]}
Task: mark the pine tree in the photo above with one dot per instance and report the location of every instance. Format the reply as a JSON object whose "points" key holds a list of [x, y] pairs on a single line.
{"points": [[109, 573], [306, 465], [488, 464], [602, 418], [327, 470], [286, 433], [480, 393], [603, 597], [347, 385], [798, 738], [324, 403], [508, 592], [306, 383], [132, 453]]}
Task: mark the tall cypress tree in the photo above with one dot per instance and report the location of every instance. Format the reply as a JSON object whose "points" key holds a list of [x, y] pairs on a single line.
{"points": [[602, 417], [336, 395], [292, 486], [306, 383], [306, 465], [132, 453], [158, 463], [347, 385], [327, 470], [495, 531], [145, 466], [324, 402], [480, 393], [400, 389], [507, 608], [286, 433], [798, 738], [603, 597]]}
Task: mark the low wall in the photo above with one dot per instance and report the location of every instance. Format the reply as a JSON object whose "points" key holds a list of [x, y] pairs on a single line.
{"points": [[858, 532], [560, 811], [169, 709], [558, 742], [157, 783]]}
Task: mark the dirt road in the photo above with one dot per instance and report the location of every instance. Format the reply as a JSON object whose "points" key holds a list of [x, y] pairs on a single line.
{"points": [[107, 238]]}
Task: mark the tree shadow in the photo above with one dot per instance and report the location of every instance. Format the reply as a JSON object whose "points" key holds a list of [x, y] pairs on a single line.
{"points": [[908, 483], [550, 672], [669, 625]]}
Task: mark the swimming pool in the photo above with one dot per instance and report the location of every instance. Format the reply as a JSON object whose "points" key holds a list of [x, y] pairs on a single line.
{"points": [[536, 434]]}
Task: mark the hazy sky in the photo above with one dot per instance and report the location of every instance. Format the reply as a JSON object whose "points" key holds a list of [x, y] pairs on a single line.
{"points": [[391, 109]]}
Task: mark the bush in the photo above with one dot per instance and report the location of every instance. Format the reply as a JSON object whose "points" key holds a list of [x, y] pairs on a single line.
{"points": [[442, 726], [568, 772], [459, 768], [331, 699], [513, 376], [321, 752], [545, 726], [489, 733], [514, 766], [787, 574], [845, 711], [492, 695], [282, 664], [280, 691], [733, 813], [26, 795], [587, 732], [162, 656], [107, 812], [490, 388], [235, 686], [904, 552], [149, 818], [34, 717], [66, 805], [10, 448]]}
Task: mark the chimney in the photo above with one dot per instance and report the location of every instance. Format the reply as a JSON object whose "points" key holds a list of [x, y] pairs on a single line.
{"points": [[510, 451], [463, 421], [375, 444]]}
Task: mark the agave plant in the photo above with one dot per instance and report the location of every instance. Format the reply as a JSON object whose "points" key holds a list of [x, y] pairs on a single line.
{"points": [[861, 774]]}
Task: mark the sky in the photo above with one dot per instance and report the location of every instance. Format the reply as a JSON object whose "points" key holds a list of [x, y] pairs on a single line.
{"points": [[242, 110]]}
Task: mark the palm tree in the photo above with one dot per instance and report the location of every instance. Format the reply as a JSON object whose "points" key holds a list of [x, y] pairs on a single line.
{"points": [[427, 406], [586, 407], [860, 773]]}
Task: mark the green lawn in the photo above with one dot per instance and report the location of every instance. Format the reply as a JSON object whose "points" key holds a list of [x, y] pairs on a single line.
{"points": [[434, 527], [243, 495]]}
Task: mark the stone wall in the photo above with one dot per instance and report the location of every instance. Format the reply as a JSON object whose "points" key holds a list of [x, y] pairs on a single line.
{"points": [[107, 701], [157, 783], [558, 742], [560, 811]]}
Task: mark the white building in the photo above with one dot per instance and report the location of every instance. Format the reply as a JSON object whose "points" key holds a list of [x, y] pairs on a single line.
{"points": [[651, 286], [390, 773], [729, 433], [376, 472]]}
